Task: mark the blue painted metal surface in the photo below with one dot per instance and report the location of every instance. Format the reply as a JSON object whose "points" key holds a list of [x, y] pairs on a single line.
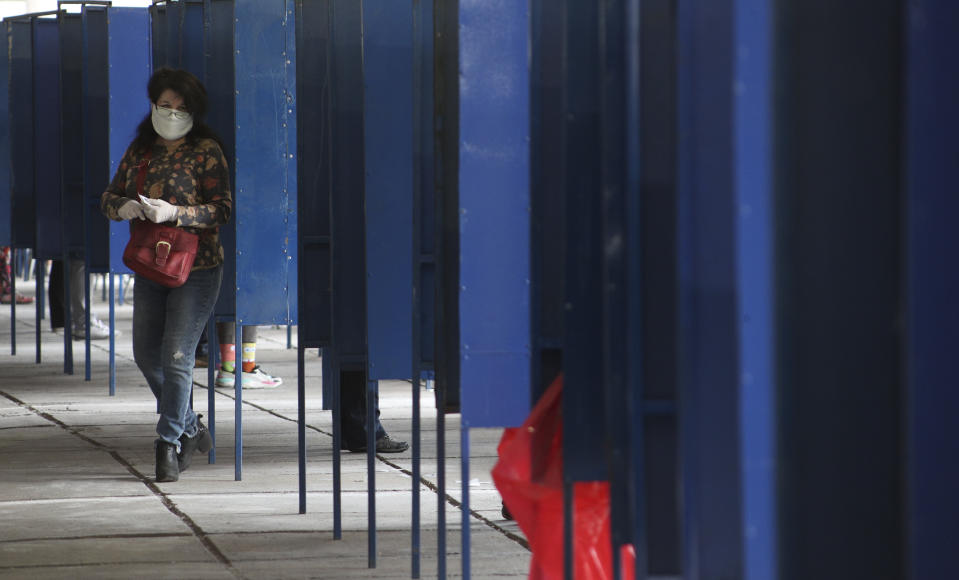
{"points": [[221, 117], [71, 130], [46, 135], [709, 372], [348, 233], [22, 209], [755, 273], [494, 214], [656, 484], [547, 194], [839, 301], [388, 136], [932, 280], [583, 397], [190, 37], [129, 62], [5, 150], [95, 110], [265, 189], [623, 275], [313, 151], [423, 265], [159, 34]]}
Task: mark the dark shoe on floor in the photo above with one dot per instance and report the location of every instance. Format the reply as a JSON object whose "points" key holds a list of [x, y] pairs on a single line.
{"points": [[506, 514], [389, 445], [201, 442], [167, 468], [384, 445]]}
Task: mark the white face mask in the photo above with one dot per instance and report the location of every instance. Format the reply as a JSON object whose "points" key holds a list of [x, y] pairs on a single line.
{"points": [[171, 124]]}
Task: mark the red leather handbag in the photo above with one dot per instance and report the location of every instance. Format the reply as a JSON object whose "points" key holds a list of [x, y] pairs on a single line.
{"points": [[158, 252]]}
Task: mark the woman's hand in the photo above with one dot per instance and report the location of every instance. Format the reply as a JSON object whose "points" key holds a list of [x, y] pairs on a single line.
{"points": [[159, 211], [130, 210]]}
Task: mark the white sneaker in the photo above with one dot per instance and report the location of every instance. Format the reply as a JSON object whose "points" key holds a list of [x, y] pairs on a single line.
{"points": [[257, 379], [98, 330]]}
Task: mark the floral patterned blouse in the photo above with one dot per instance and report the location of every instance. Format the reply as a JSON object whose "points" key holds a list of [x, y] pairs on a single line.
{"points": [[193, 175]]}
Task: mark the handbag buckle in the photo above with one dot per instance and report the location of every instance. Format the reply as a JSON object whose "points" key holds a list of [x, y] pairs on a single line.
{"points": [[162, 252]]}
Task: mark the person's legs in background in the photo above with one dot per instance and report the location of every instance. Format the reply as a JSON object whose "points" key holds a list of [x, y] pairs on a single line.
{"points": [[55, 296], [78, 312], [353, 417], [6, 280], [253, 376]]}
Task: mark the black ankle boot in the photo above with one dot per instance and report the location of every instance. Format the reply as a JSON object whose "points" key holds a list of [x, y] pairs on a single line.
{"points": [[167, 467], [201, 442]]}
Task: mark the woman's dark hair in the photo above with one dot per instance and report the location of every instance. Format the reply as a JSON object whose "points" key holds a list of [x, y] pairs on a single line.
{"points": [[193, 92]]}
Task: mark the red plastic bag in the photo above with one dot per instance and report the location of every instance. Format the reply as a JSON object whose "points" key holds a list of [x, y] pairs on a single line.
{"points": [[529, 476]]}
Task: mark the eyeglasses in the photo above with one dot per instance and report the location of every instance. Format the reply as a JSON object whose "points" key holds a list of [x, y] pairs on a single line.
{"points": [[181, 115]]}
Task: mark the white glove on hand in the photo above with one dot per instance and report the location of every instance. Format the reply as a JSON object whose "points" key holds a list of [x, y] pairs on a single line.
{"points": [[159, 211], [130, 210]]}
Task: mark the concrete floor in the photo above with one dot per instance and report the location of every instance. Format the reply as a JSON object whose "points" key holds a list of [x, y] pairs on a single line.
{"points": [[77, 497]]}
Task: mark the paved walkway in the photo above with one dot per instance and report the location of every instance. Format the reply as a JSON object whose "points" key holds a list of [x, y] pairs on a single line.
{"points": [[77, 497]]}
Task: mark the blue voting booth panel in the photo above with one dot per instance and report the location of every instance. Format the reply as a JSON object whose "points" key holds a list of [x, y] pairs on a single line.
{"points": [[494, 214], [222, 118], [265, 192], [46, 134], [129, 60], [547, 195], [755, 274], [423, 195], [160, 33], [839, 218], [932, 401], [388, 135], [709, 371], [190, 37], [22, 208], [583, 395], [654, 447], [313, 179], [177, 36], [71, 129], [96, 134], [6, 218], [348, 231]]}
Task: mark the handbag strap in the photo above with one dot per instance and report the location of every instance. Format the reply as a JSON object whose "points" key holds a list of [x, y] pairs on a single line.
{"points": [[142, 174]]}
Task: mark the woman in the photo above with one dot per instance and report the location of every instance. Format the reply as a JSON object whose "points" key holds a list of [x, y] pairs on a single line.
{"points": [[187, 184]]}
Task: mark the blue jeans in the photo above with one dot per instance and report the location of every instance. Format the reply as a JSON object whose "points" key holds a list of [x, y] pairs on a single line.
{"points": [[167, 323]]}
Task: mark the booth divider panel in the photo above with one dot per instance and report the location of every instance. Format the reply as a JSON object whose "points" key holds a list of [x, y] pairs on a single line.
{"points": [[313, 175], [840, 244], [583, 395], [23, 208], [931, 151], [423, 189], [71, 128], [221, 117], [190, 38], [265, 195], [159, 29], [46, 134], [494, 214], [547, 196], [756, 272], [129, 58], [388, 108], [96, 135], [655, 446], [6, 201], [348, 230]]}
